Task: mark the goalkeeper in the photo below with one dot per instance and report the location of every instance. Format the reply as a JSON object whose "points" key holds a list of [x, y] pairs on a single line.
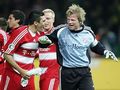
{"points": [[74, 41]]}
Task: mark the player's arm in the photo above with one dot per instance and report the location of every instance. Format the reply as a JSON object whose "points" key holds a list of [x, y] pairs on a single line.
{"points": [[53, 37], [11, 46], [3, 40], [46, 40], [99, 48], [10, 60]]}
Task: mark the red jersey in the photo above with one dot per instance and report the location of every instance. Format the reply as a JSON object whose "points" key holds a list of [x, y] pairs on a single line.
{"points": [[47, 56], [3, 40], [48, 61], [23, 45]]}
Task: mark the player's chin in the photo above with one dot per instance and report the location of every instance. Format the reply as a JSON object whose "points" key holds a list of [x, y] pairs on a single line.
{"points": [[71, 27], [10, 26], [46, 28]]}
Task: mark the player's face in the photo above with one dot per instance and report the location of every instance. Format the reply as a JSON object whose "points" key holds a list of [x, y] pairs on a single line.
{"points": [[12, 22], [73, 22], [48, 22], [39, 26]]}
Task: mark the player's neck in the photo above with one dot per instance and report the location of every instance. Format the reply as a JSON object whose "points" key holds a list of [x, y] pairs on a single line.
{"points": [[16, 26], [32, 28]]}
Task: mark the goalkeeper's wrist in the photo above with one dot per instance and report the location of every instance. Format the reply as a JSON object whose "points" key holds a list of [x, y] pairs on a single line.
{"points": [[105, 51]]}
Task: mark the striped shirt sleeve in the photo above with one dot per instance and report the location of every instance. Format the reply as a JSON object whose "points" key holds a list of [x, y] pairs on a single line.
{"points": [[14, 41]]}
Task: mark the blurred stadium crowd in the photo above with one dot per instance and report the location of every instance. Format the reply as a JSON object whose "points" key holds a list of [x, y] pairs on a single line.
{"points": [[102, 15]]}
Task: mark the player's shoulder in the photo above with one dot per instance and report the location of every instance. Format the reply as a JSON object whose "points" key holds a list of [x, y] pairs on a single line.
{"points": [[60, 26], [20, 29], [3, 33], [88, 29]]}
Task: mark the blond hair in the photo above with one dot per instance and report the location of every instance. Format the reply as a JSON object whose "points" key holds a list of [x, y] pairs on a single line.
{"points": [[49, 11], [79, 11]]}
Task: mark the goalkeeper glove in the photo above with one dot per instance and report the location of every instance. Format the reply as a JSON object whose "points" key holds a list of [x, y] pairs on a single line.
{"points": [[44, 40], [110, 54]]}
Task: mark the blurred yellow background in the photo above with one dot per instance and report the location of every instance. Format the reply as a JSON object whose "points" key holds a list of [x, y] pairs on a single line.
{"points": [[105, 72]]}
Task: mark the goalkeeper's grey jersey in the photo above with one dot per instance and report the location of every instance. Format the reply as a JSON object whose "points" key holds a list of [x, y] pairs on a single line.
{"points": [[73, 46]]}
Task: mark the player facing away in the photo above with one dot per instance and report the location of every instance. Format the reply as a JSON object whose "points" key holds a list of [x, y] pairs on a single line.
{"points": [[74, 42], [3, 40], [49, 79], [19, 53]]}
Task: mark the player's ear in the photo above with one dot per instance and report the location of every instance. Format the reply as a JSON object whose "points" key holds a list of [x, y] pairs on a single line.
{"points": [[18, 20], [35, 23], [81, 23]]}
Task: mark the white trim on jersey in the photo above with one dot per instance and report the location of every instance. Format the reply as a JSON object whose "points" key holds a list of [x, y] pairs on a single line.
{"points": [[43, 69], [95, 42], [16, 40], [0, 77], [48, 56], [51, 85], [31, 45], [60, 87], [4, 36], [7, 82], [32, 33], [58, 33], [23, 59]]}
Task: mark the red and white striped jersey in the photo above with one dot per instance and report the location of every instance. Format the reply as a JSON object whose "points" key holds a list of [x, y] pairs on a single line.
{"points": [[3, 40], [48, 61], [47, 56], [23, 45]]}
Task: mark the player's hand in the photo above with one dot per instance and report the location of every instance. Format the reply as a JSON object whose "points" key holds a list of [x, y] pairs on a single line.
{"points": [[109, 54], [35, 71], [44, 40]]}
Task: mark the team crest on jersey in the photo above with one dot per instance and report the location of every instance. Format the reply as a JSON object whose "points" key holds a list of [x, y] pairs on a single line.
{"points": [[85, 40], [11, 46]]}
